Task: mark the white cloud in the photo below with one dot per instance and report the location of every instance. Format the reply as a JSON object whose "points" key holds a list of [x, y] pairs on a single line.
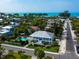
{"points": [[9, 6], [36, 5]]}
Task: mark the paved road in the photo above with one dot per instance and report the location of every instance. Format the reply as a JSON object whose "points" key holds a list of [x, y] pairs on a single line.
{"points": [[70, 52], [69, 44], [34, 57], [69, 55]]}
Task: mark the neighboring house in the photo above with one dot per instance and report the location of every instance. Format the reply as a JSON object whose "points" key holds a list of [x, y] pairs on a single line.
{"points": [[5, 30], [14, 24], [1, 20], [62, 20], [50, 23], [41, 37], [7, 27], [35, 28], [2, 31], [17, 19]]}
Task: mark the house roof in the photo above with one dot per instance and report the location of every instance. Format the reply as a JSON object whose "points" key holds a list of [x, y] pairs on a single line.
{"points": [[35, 27], [17, 19], [43, 34], [14, 24], [7, 27], [1, 19], [4, 31], [62, 19]]}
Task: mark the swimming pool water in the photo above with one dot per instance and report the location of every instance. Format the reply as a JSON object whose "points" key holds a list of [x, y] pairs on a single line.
{"points": [[23, 38]]}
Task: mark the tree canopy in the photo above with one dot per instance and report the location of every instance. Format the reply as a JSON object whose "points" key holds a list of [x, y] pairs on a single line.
{"points": [[65, 14], [39, 52]]}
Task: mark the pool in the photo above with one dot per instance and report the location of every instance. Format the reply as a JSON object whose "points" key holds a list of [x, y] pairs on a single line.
{"points": [[23, 38]]}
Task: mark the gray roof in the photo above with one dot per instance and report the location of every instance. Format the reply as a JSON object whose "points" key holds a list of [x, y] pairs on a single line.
{"points": [[43, 34]]}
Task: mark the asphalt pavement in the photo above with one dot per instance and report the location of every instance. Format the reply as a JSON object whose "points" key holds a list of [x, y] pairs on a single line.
{"points": [[69, 43], [70, 52]]}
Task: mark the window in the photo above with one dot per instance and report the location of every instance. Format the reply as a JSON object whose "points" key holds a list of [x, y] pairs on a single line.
{"points": [[40, 38]]}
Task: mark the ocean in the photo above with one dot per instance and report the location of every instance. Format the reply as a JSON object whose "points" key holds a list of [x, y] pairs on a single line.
{"points": [[55, 14]]}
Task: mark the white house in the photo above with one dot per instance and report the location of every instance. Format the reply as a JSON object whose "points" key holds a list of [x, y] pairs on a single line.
{"points": [[62, 20], [17, 19], [41, 37], [14, 24], [1, 20], [7, 27], [50, 23], [5, 30]]}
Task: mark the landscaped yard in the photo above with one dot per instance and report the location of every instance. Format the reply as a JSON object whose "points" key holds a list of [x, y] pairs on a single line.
{"points": [[16, 55], [77, 40], [11, 43], [51, 49], [48, 57], [75, 26]]}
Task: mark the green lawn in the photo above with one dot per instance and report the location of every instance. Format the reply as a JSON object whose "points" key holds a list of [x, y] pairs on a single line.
{"points": [[51, 49], [10, 43], [26, 57], [75, 25], [1, 42], [77, 40], [48, 57], [16, 55]]}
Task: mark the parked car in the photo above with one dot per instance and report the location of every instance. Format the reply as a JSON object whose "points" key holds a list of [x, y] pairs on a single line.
{"points": [[77, 49]]}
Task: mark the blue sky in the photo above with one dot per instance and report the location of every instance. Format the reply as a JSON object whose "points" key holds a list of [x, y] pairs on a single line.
{"points": [[39, 5]]}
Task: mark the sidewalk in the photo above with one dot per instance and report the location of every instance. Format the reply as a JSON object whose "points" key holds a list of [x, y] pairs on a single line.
{"points": [[63, 40], [62, 46], [34, 57], [74, 39], [75, 42]]}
